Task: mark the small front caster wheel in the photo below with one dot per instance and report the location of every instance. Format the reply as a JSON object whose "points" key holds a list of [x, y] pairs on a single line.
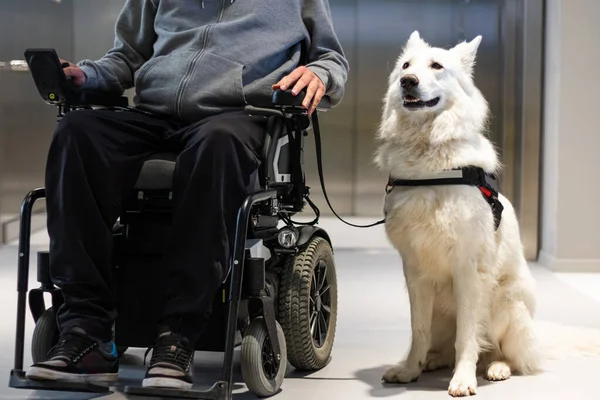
{"points": [[45, 336], [262, 372]]}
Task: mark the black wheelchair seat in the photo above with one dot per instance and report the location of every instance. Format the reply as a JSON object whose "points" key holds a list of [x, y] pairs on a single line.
{"points": [[157, 172]]}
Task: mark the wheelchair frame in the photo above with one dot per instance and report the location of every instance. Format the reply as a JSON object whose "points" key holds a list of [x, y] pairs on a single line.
{"points": [[284, 193]]}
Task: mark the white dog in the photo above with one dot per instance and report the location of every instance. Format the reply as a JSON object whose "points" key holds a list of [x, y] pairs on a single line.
{"points": [[470, 290]]}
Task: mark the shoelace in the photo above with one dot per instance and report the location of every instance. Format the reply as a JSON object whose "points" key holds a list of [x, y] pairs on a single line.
{"points": [[170, 349], [71, 347]]}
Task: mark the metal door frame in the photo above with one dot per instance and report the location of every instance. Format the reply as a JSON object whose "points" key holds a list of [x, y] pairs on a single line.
{"points": [[523, 67]]}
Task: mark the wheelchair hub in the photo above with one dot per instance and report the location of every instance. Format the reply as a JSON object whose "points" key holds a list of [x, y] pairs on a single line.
{"points": [[320, 304], [270, 363]]}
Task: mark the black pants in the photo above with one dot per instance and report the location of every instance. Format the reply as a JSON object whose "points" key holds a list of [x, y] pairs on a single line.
{"points": [[94, 161]]}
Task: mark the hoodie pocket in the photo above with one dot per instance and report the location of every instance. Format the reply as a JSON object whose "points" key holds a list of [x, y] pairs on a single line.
{"points": [[156, 83], [215, 84], [146, 68]]}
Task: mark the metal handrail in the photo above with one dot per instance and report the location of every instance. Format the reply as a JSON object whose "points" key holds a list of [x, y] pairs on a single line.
{"points": [[14, 66]]}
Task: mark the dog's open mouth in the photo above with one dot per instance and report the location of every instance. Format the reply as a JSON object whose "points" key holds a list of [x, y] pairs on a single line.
{"points": [[413, 102]]}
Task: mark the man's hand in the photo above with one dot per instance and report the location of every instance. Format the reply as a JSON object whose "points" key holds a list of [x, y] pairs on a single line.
{"points": [[78, 76], [301, 78]]}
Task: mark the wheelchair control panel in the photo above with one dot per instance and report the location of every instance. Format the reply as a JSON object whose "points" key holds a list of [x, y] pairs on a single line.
{"points": [[57, 89]]}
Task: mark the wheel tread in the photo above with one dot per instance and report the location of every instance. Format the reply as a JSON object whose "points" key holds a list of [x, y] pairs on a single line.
{"points": [[294, 311]]}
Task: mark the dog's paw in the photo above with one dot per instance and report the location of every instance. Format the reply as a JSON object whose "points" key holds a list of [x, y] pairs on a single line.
{"points": [[402, 373], [463, 385], [437, 361], [497, 371]]}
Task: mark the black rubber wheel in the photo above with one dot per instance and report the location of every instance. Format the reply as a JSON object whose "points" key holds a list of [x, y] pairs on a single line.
{"points": [[308, 306], [45, 336], [261, 373]]}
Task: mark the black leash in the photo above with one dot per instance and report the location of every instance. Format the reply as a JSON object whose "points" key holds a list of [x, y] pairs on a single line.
{"points": [[315, 121]]}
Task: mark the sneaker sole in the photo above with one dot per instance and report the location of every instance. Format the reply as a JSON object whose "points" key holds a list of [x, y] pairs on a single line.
{"points": [[36, 373], [170, 383]]}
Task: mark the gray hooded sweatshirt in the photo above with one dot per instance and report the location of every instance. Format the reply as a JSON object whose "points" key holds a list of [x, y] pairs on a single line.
{"points": [[190, 59]]}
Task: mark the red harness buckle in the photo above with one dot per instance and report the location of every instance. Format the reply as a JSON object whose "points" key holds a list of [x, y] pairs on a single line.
{"points": [[485, 191]]}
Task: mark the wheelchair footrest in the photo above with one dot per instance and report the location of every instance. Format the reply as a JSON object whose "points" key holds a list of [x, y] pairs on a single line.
{"points": [[19, 381], [217, 392]]}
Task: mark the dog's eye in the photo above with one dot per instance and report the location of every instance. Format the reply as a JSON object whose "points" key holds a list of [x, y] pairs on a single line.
{"points": [[436, 66], [406, 65]]}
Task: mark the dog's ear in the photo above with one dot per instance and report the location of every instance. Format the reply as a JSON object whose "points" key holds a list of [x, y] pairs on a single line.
{"points": [[414, 40], [415, 36], [467, 52]]}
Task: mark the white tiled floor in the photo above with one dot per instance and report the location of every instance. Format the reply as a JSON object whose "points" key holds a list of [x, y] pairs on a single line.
{"points": [[373, 332], [586, 283]]}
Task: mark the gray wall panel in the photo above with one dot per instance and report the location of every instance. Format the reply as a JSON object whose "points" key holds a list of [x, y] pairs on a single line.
{"points": [[26, 123], [94, 27]]}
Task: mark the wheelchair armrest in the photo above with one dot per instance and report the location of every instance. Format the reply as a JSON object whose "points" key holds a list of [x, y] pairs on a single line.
{"points": [[267, 112], [285, 98], [96, 98], [57, 89]]}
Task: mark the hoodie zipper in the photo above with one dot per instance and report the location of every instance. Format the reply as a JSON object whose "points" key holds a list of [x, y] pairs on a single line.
{"points": [[188, 72], [195, 59]]}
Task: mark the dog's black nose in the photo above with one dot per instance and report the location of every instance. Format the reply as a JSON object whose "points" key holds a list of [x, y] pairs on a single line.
{"points": [[409, 81]]}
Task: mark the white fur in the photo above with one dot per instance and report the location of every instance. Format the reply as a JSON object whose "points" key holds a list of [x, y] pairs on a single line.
{"points": [[471, 292]]}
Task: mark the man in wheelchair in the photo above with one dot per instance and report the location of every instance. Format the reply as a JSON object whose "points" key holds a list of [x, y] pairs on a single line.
{"points": [[195, 65]]}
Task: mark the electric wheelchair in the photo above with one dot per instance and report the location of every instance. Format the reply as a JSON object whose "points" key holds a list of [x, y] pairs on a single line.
{"points": [[278, 301]]}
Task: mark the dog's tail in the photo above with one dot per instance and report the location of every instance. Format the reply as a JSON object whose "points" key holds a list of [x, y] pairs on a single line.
{"points": [[560, 342]]}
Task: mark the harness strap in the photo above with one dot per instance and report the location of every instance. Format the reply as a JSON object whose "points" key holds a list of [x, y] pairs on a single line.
{"points": [[471, 176]]}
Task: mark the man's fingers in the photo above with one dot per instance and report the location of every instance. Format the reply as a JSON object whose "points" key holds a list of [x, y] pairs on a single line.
{"points": [[289, 80], [310, 92], [71, 71], [300, 79], [318, 96], [303, 82], [78, 76]]}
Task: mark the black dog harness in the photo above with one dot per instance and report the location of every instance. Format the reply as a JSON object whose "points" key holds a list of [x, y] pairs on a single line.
{"points": [[472, 176]]}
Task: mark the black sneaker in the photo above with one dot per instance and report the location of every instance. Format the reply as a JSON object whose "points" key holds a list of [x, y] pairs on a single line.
{"points": [[78, 357], [171, 363]]}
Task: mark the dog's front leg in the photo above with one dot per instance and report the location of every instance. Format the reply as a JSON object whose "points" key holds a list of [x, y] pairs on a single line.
{"points": [[468, 294], [421, 296]]}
